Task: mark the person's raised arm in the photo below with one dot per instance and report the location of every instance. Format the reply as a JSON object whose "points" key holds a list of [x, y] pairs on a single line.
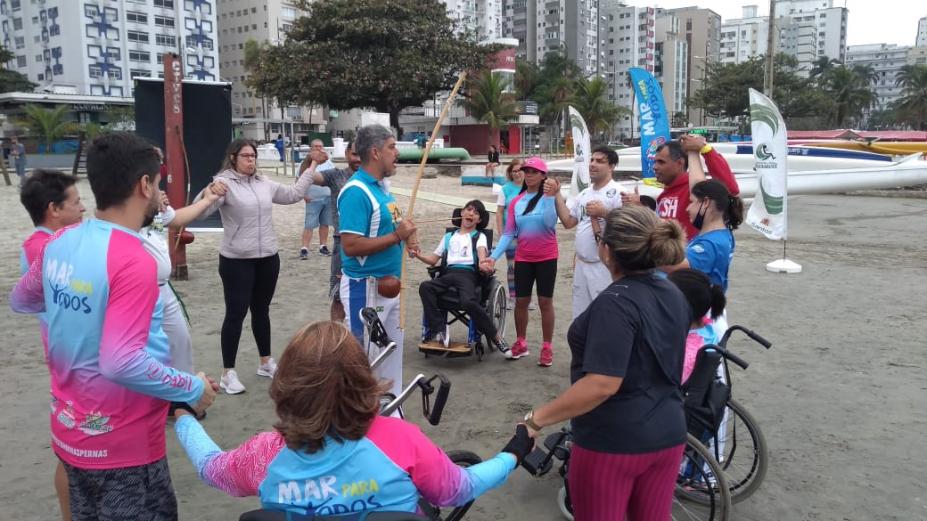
{"points": [[718, 168], [183, 216], [696, 172], [218, 185], [507, 235], [565, 213], [238, 472]]}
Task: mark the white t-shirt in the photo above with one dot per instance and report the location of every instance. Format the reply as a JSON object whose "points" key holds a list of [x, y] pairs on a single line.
{"points": [[154, 239], [610, 195], [459, 251]]}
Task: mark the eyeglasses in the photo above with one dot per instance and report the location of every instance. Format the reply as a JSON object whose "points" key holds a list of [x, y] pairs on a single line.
{"points": [[248, 156]]}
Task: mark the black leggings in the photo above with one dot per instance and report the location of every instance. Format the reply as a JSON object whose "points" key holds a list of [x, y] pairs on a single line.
{"points": [[247, 284]]}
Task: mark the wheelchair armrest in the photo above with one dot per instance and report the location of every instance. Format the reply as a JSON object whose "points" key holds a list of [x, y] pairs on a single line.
{"points": [[435, 271]]}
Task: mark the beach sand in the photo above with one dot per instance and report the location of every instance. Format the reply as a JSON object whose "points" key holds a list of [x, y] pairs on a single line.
{"points": [[840, 397]]}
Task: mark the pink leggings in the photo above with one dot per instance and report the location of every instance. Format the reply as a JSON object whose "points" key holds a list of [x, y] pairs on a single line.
{"points": [[604, 486]]}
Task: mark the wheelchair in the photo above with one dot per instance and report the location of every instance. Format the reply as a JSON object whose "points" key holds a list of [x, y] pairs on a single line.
{"points": [[492, 296]]}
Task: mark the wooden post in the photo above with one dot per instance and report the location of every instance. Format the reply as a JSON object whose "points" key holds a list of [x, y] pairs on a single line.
{"points": [[174, 156], [412, 197]]}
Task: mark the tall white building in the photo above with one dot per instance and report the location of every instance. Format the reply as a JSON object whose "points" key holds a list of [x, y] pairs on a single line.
{"points": [[484, 18], [807, 29], [96, 47], [921, 40], [886, 60], [629, 34], [671, 51], [543, 26]]}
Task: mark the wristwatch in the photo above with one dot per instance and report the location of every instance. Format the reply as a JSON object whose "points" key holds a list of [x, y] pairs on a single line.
{"points": [[529, 421]]}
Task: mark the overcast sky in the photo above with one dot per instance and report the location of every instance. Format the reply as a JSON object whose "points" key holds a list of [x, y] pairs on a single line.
{"points": [[869, 21]]}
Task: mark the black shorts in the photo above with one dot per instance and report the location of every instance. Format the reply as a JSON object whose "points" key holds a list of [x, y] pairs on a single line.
{"points": [[142, 493], [527, 273]]}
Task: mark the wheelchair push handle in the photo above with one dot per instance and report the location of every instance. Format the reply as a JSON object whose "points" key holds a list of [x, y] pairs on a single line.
{"points": [[434, 412], [743, 364], [750, 333]]}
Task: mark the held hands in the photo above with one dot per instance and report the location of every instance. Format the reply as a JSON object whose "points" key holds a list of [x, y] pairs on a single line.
{"points": [[692, 142], [215, 190], [521, 444], [551, 187], [487, 265], [631, 198], [596, 210], [210, 388], [406, 229], [318, 156]]}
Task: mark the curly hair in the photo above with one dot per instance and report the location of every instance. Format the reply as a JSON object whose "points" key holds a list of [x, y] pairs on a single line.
{"points": [[324, 387]]}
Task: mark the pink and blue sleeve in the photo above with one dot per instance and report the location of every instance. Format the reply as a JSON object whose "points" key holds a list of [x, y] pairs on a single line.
{"points": [[436, 477], [236, 472], [28, 296], [124, 359], [509, 233]]}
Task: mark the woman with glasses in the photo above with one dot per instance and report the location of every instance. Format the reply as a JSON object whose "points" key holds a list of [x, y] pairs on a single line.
{"points": [[532, 217], [510, 191], [248, 259]]}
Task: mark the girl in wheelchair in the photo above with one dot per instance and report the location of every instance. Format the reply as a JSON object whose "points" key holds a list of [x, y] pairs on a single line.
{"points": [[462, 254], [707, 301]]}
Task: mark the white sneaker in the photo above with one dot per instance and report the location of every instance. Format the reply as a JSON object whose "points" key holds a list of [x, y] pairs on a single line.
{"points": [[532, 306], [268, 369], [230, 383]]}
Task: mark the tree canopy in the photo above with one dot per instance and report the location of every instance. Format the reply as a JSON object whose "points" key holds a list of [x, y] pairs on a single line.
{"points": [[12, 81], [911, 107], [367, 54], [488, 99]]}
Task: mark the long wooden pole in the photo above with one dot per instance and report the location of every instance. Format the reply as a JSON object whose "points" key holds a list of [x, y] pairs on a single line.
{"points": [[418, 181]]}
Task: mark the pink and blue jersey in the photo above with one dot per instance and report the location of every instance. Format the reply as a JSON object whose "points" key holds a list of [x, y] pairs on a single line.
{"points": [[389, 469], [536, 231], [32, 246], [107, 354]]}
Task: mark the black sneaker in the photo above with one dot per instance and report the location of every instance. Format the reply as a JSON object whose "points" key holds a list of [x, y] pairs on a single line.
{"points": [[503, 347], [303, 253], [323, 250]]}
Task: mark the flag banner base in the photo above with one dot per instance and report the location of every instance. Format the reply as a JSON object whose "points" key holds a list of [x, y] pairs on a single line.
{"points": [[783, 266]]}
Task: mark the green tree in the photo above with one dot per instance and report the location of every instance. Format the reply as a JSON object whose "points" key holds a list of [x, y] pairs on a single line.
{"points": [[591, 100], [680, 119], [368, 53], [848, 88], [487, 99], [49, 124], [253, 50], [911, 107], [12, 81], [527, 79], [119, 117]]}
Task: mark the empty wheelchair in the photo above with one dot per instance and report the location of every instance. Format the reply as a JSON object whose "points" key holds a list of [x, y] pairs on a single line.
{"points": [[491, 295]]}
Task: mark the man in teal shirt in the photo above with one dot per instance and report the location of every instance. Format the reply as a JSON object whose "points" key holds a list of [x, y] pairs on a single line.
{"points": [[372, 233]]}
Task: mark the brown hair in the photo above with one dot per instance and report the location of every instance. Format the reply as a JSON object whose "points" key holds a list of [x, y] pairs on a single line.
{"points": [[324, 387], [233, 149], [639, 240], [512, 163]]}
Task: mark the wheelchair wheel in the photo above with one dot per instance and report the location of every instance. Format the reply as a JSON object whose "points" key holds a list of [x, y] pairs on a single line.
{"points": [[702, 493], [741, 450], [563, 501], [496, 306], [462, 458]]}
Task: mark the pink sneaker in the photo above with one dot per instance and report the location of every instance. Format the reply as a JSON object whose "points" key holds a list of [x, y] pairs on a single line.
{"points": [[547, 356], [519, 349]]}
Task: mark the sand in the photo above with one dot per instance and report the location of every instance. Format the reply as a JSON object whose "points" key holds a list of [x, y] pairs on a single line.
{"points": [[841, 395]]}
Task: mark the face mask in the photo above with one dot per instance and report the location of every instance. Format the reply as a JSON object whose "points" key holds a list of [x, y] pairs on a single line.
{"points": [[700, 217]]}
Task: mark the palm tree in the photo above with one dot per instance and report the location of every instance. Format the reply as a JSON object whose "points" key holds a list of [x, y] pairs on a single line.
{"points": [[50, 124], [911, 107], [488, 99], [591, 100], [822, 65], [527, 79], [850, 91]]}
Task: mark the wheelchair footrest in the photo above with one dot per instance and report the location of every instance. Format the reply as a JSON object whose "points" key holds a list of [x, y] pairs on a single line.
{"points": [[452, 348]]}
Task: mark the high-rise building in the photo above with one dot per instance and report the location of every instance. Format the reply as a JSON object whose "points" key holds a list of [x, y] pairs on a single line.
{"points": [[702, 31], [483, 18], [630, 40], [96, 47], [886, 60], [670, 69], [921, 40], [264, 21], [568, 26], [807, 30]]}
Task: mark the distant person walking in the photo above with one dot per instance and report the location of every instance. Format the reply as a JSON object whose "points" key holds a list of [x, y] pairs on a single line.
{"points": [[18, 158], [280, 145]]}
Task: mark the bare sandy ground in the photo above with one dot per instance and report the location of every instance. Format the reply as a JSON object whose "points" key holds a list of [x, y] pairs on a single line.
{"points": [[841, 397]]}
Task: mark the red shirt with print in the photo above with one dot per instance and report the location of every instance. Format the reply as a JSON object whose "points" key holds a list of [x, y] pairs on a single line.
{"points": [[674, 199]]}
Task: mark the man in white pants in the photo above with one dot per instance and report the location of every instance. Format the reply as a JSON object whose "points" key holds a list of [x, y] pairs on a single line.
{"points": [[372, 233], [587, 213]]}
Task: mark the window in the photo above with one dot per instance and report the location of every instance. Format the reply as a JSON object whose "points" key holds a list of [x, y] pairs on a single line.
{"points": [[165, 40], [20, 61], [20, 42], [35, 20], [17, 23], [15, 5], [163, 21], [38, 58], [139, 73], [167, 4], [139, 18], [140, 56], [95, 71], [137, 36]]}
